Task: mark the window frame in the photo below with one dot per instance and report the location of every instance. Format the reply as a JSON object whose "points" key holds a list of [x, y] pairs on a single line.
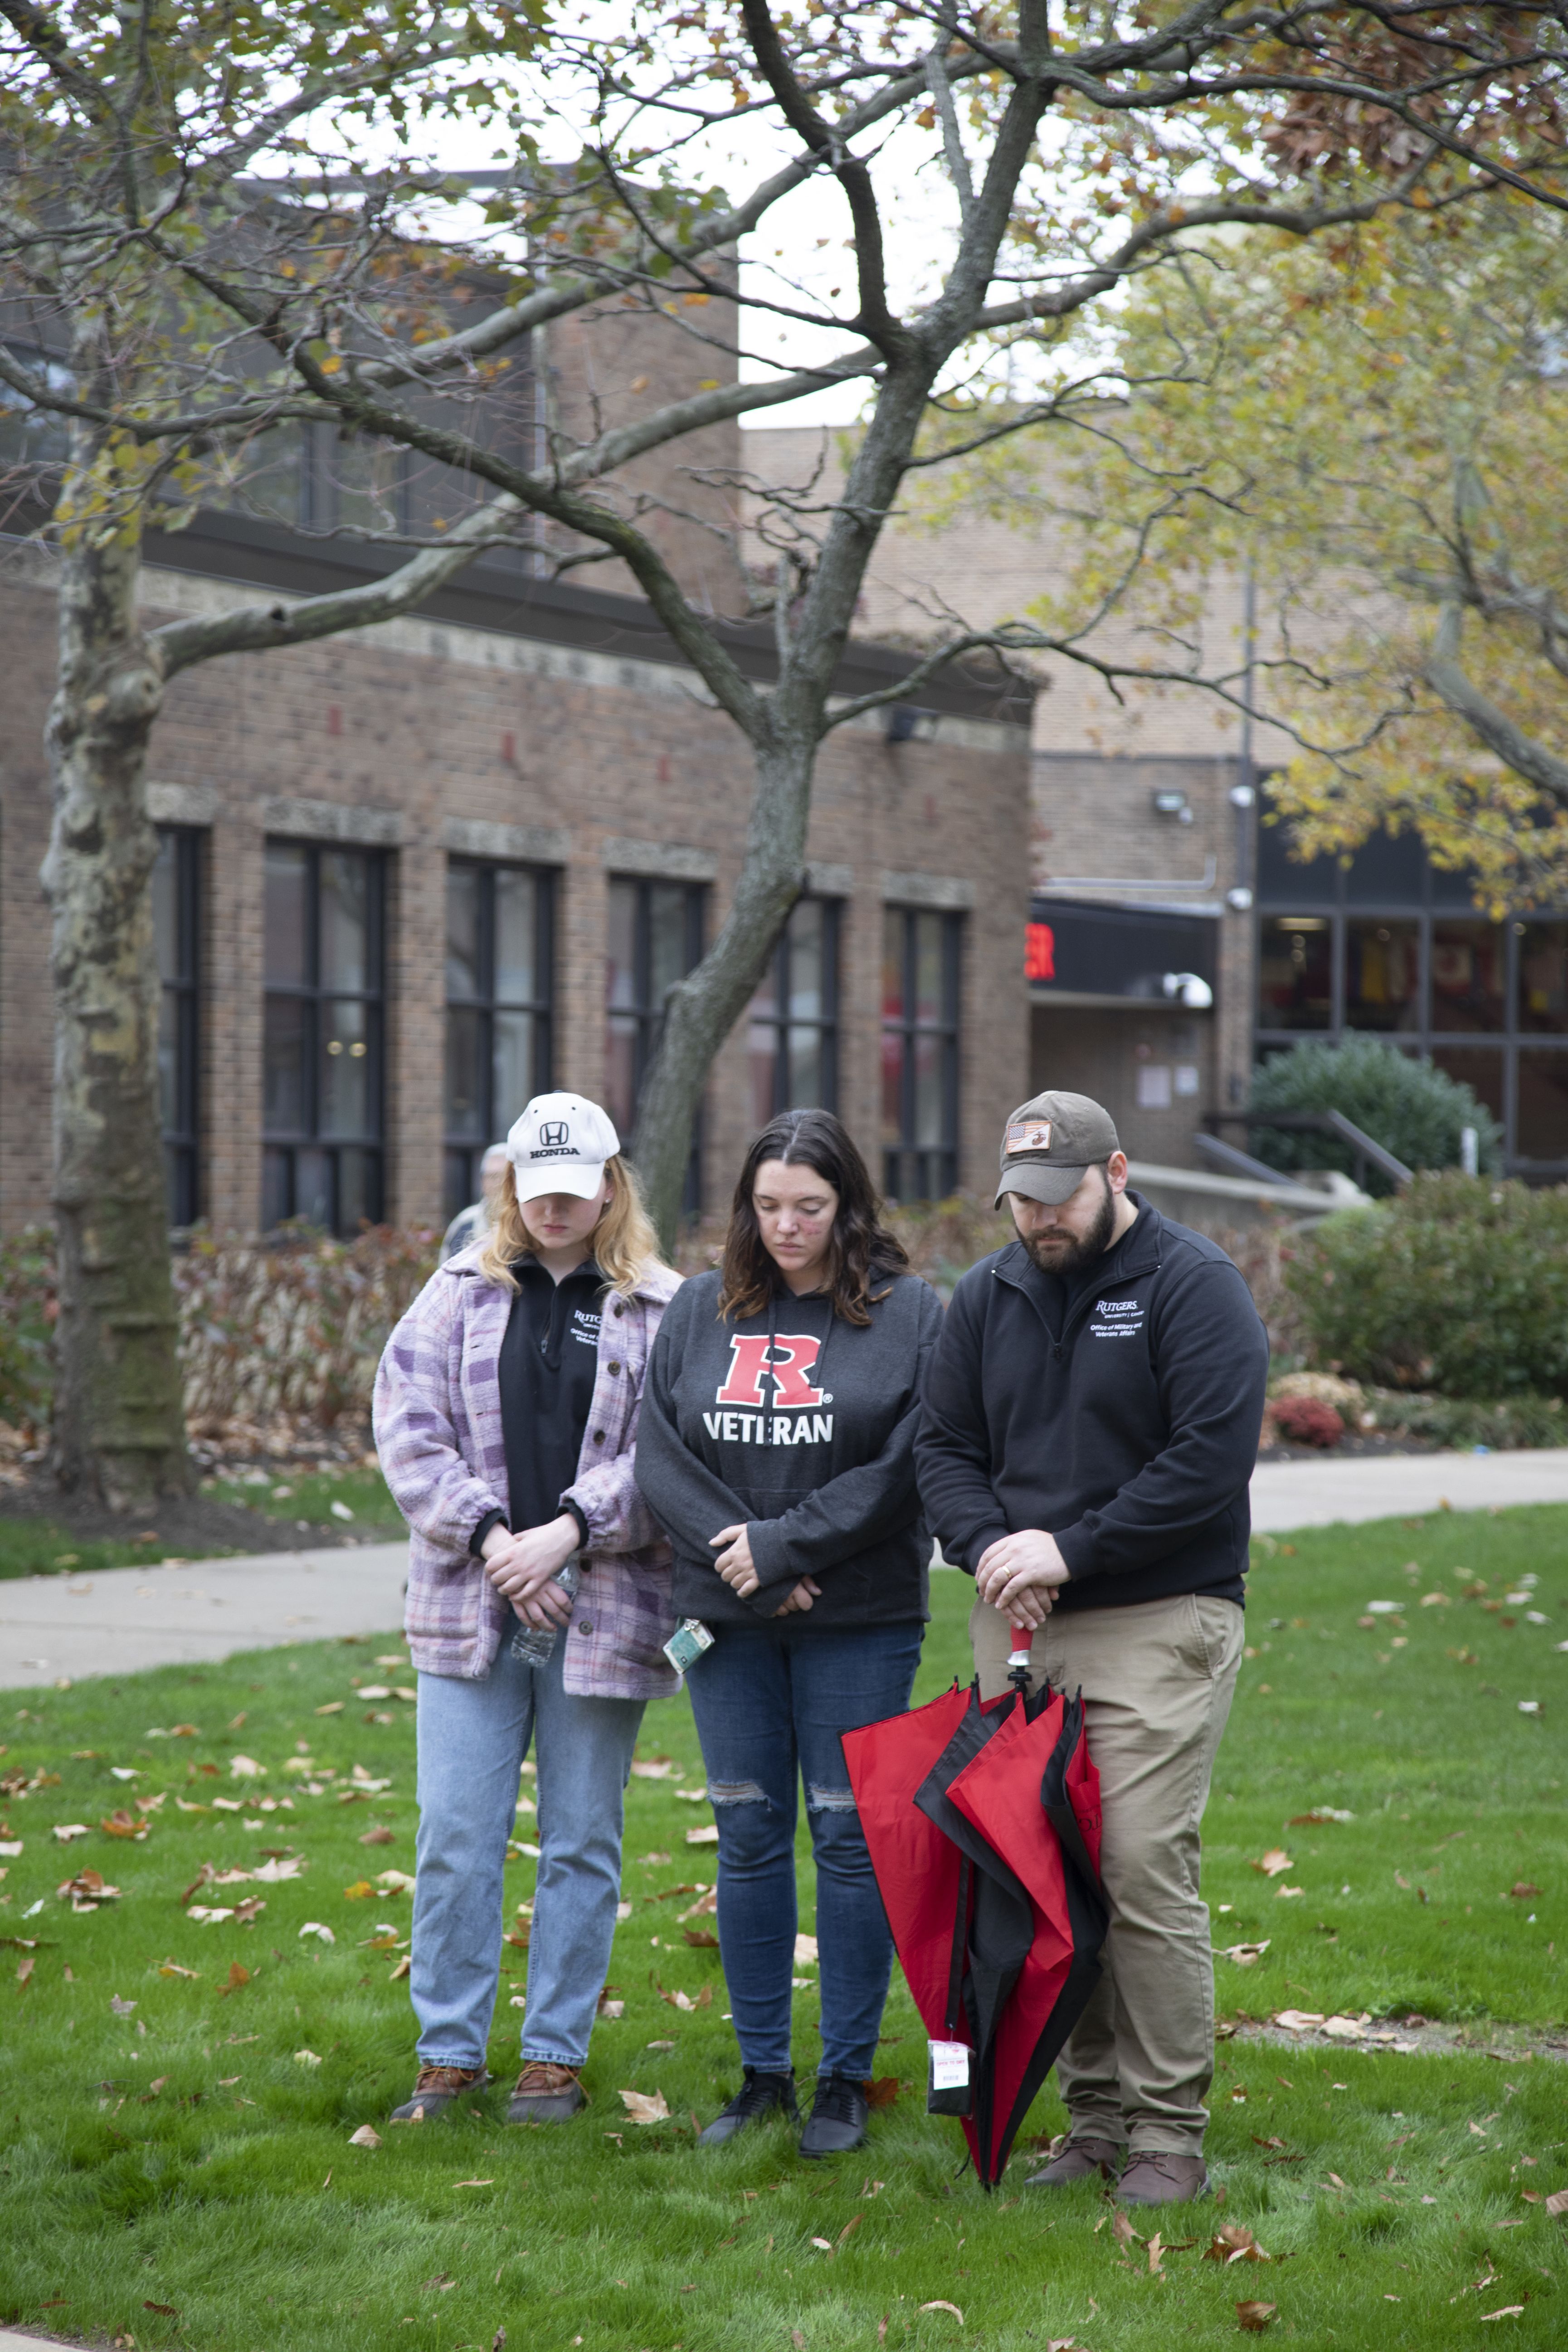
{"points": [[647, 1017], [541, 1010], [182, 1141], [1329, 895], [781, 1022], [283, 1147], [939, 1160]]}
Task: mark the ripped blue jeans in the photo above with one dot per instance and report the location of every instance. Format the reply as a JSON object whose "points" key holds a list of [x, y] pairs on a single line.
{"points": [[770, 1706]]}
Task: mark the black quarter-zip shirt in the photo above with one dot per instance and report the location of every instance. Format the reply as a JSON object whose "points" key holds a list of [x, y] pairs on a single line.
{"points": [[1117, 1411], [548, 1361]]}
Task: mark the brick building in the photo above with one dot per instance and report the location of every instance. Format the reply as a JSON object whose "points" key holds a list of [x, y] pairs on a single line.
{"points": [[409, 877], [1175, 941]]}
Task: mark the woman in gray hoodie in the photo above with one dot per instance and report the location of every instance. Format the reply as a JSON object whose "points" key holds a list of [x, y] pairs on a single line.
{"points": [[776, 1449]]}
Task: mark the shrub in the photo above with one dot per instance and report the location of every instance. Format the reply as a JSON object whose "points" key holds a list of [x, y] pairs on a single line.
{"points": [[1457, 1284], [1410, 1107], [1306, 1421], [291, 1325], [27, 1311]]}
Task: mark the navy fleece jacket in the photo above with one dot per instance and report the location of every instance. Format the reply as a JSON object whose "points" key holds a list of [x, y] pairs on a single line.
{"points": [[1119, 1414]]}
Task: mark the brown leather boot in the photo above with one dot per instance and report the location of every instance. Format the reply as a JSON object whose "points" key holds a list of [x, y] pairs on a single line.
{"points": [[1154, 2177], [436, 2088], [545, 2095], [1075, 2160]]}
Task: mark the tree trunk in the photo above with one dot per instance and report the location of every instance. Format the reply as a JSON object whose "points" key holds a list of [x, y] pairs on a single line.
{"points": [[703, 1008], [119, 1423]]}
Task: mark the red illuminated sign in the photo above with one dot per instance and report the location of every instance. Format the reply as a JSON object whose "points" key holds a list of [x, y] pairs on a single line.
{"points": [[1039, 951]]}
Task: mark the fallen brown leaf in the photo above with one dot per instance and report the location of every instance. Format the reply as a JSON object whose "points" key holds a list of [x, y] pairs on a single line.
{"points": [[1558, 2201], [940, 2305], [376, 1837], [204, 1877], [25, 1967], [1272, 1862], [1235, 2243], [1122, 2230], [1156, 2250], [364, 2138], [1254, 2317], [644, 2107], [238, 1976], [883, 2092], [121, 1824], [164, 2310], [172, 1968], [700, 1939], [849, 2227], [1522, 1890]]}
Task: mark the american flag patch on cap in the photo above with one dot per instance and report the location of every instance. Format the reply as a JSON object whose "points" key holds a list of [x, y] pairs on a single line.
{"points": [[1030, 1135]]}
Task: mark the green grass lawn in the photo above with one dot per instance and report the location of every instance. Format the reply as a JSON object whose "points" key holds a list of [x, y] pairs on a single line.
{"points": [[177, 2165], [40, 1547], [289, 1498]]}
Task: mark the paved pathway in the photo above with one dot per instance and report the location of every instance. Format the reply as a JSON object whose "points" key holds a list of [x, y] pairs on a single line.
{"points": [[120, 1620], [1402, 1485]]}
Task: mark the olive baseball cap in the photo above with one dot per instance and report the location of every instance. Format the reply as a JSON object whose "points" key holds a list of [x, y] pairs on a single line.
{"points": [[1049, 1142]]}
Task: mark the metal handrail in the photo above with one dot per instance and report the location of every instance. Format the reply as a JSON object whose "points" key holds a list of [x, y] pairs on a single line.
{"points": [[1367, 1149], [1232, 1162]]}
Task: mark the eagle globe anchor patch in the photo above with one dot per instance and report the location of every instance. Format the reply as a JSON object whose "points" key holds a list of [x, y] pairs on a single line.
{"points": [[1029, 1135]]}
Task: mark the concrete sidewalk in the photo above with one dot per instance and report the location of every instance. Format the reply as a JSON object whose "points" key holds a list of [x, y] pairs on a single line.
{"points": [[1402, 1485], [121, 1620]]}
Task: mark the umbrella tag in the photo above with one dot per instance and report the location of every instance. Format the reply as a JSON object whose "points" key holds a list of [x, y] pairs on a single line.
{"points": [[948, 2091]]}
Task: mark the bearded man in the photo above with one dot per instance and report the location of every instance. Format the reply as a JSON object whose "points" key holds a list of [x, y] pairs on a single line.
{"points": [[1089, 1427]]}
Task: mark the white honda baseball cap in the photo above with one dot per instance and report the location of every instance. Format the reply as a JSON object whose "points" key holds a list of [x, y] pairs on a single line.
{"points": [[560, 1145]]}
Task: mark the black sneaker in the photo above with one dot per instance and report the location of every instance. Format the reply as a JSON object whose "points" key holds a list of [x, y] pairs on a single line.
{"points": [[839, 2117], [759, 2097]]}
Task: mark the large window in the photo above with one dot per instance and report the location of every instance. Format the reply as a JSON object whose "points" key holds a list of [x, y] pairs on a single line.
{"points": [[919, 1053], [655, 938], [1388, 942], [322, 1114], [792, 1039], [176, 883], [498, 965]]}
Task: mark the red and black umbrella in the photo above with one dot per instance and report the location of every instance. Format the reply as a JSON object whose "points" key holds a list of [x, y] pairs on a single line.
{"points": [[982, 1821]]}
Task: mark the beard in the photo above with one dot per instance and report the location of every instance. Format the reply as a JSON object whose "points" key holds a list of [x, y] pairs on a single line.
{"points": [[1054, 1251]]}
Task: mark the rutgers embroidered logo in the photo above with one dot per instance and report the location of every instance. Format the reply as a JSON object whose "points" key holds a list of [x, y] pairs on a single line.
{"points": [[789, 1367]]}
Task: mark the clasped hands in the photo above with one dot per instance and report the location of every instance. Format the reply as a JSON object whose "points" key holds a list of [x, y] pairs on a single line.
{"points": [[1018, 1575], [524, 1567], [738, 1570]]}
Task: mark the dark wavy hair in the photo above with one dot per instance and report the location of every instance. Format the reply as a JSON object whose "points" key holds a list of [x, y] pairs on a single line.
{"points": [[863, 1252]]}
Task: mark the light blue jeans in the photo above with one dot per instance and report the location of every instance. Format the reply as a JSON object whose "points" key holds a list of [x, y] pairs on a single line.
{"points": [[473, 1736]]}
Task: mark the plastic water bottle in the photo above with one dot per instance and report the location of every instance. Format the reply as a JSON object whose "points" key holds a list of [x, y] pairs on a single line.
{"points": [[535, 1644]]}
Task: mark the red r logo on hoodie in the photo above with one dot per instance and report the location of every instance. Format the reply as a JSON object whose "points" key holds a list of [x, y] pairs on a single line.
{"points": [[793, 1355]]}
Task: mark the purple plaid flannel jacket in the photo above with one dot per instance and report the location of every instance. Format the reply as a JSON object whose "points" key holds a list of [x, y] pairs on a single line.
{"points": [[439, 1434]]}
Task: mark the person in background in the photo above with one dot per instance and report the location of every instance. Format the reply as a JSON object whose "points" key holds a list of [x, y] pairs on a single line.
{"points": [[1091, 1423], [776, 1449], [506, 1412], [469, 1224]]}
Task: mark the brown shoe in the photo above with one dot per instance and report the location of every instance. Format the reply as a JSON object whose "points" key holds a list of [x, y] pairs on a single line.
{"points": [[436, 2088], [545, 2095], [1076, 2159], [1154, 2178]]}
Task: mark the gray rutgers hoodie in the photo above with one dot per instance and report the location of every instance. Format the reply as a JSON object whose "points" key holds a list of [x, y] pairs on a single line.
{"points": [[803, 1426]]}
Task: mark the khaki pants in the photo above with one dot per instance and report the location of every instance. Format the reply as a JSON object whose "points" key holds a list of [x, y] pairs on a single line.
{"points": [[1157, 1680]]}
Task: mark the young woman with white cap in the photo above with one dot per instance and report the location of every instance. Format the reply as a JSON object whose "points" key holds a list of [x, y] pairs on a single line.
{"points": [[539, 1590]]}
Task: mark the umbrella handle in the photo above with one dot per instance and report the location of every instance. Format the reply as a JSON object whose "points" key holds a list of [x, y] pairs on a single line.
{"points": [[1018, 1656]]}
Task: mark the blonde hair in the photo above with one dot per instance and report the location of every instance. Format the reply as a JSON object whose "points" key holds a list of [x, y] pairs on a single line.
{"points": [[624, 1243]]}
